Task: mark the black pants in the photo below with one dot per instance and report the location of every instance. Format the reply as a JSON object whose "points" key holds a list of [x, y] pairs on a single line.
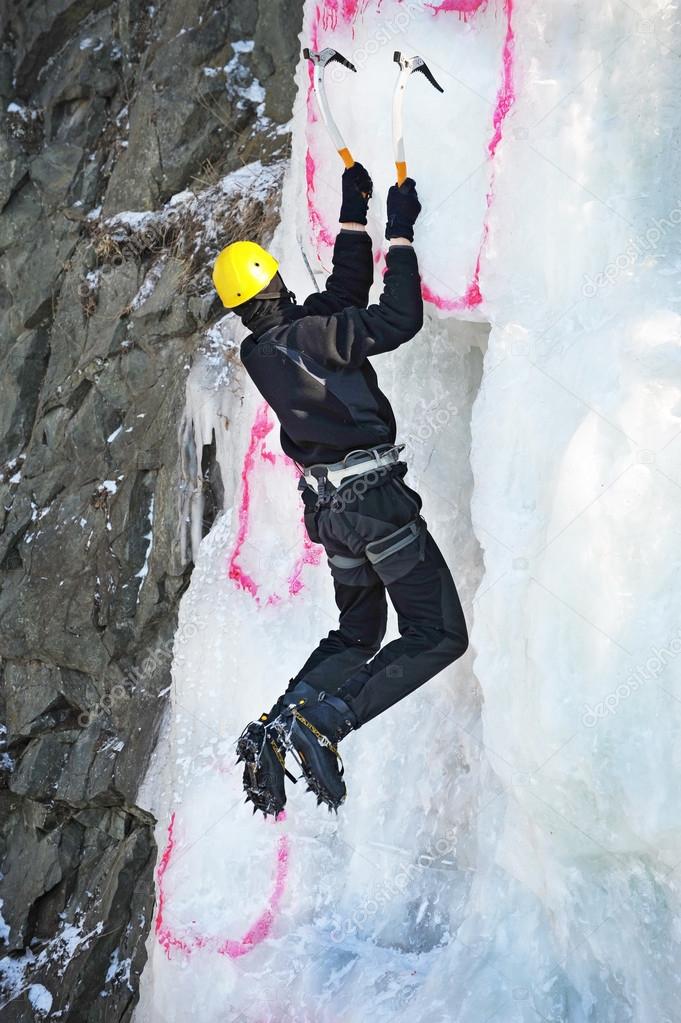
{"points": [[372, 548]]}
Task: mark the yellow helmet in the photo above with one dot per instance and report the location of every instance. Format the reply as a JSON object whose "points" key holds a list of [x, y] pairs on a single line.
{"points": [[241, 271]]}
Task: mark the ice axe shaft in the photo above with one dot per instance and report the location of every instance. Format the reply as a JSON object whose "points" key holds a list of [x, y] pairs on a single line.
{"points": [[407, 66], [320, 62]]}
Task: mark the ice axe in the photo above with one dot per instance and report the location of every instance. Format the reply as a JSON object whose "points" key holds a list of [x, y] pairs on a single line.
{"points": [[320, 61], [407, 65]]}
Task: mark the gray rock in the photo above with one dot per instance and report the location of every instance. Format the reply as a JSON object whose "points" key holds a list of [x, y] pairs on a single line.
{"points": [[54, 170], [117, 112], [22, 368], [13, 168]]}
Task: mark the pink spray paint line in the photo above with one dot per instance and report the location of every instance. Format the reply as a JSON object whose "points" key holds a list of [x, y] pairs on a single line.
{"points": [[472, 297], [257, 453], [188, 941], [506, 94], [341, 10], [463, 7]]}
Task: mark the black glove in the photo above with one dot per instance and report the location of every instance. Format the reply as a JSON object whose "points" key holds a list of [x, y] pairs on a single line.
{"points": [[403, 209], [357, 190]]}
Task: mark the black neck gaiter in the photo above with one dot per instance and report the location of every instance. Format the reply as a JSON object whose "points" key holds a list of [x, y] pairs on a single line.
{"points": [[261, 314]]}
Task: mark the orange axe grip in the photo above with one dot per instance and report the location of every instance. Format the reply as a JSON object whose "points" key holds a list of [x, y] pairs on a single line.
{"points": [[347, 157], [401, 168]]}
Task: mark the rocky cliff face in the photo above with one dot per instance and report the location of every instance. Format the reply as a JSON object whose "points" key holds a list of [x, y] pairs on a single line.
{"points": [[106, 108]]}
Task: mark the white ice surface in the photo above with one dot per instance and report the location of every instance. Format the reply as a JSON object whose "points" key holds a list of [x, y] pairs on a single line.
{"points": [[509, 847]]}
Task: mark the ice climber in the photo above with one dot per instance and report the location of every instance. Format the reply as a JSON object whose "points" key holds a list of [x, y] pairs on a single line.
{"points": [[313, 364]]}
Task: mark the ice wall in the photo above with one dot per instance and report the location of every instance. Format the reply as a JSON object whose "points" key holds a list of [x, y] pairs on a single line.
{"points": [[509, 845]]}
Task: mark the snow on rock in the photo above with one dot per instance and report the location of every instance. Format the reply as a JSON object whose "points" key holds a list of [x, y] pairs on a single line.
{"points": [[509, 847], [25, 113], [254, 178], [4, 926], [151, 278], [119, 969], [199, 222], [40, 999], [16, 971], [254, 93], [181, 197], [149, 537], [131, 218]]}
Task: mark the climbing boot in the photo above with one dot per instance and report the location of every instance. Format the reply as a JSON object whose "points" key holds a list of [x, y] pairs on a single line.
{"points": [[311, 726], [264, 768]]}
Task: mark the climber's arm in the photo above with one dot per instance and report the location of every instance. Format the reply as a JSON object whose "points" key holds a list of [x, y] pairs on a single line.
{"points": [[353, 272]]}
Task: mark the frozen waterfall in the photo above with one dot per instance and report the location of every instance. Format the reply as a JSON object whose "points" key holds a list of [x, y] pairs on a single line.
{"points": [[508, 850]]}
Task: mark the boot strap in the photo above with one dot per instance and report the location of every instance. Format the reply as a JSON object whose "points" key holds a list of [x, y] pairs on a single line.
{"points": [[322, 739], [279, 757]]}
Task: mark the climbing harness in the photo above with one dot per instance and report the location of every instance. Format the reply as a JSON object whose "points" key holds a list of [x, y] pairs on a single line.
{"points": [[325, 479]]}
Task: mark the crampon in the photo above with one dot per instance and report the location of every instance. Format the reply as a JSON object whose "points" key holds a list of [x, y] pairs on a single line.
{"points": [[310, 728], [264, 767]]}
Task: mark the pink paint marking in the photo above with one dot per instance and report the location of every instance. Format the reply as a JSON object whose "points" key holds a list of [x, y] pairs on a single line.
{"points": [[261, 427], [322, 233], [345, 10], [261, 929], [472, 296], [349, 9], [312, 555], [263, 925], [464, 7], [506, 94], [256, 453], [326, 14], [163, 933]]}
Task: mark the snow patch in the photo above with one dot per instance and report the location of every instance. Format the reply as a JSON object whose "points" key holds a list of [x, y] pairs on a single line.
{"points": [[118, 970], [149, 283], [181, 197], [149, 537], [40, 999], [58, 952], [131, 218], [254, 93], [4, 926], [24, 112]]}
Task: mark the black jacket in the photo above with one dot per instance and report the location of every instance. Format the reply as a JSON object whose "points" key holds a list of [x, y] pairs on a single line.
{"points": [[311, 362]]}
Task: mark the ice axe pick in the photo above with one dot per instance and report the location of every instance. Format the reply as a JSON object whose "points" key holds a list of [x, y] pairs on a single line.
{"points": [[321, 61], [407, 66]]}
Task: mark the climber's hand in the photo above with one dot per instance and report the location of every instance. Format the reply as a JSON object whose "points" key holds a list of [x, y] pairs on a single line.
{"points": [[403, 210], [357, 190]]}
